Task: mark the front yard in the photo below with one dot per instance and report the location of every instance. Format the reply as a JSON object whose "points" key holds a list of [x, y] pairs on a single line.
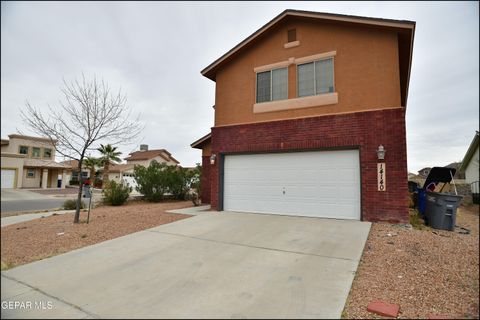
{"points": [[41, 238], [423, 271]]}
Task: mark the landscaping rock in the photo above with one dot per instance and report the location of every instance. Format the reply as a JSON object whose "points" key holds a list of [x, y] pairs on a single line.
{"points": [[384, 308]]}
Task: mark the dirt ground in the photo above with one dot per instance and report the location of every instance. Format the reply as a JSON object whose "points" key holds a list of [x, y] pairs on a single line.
{"points": [[45, 237], [424, 271]]}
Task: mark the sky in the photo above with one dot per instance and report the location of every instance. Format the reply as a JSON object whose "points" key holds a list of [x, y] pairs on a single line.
{"points": [[154, 52]]}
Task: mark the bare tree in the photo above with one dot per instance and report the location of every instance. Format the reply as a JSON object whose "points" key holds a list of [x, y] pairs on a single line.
{"points": [[89, 114]]}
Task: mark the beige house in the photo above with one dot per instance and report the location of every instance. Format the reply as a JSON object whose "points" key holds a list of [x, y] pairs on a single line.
{"points": [[470, 163], [29, 162]]}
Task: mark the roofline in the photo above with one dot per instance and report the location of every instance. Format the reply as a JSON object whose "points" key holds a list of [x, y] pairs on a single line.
{"points": [[20, 136], [406, 24], [470, 152], [197, 143], [160, 153]]}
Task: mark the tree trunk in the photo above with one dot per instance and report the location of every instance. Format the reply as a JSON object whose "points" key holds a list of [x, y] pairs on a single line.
{"points": [[79, 194], [105, 175]]}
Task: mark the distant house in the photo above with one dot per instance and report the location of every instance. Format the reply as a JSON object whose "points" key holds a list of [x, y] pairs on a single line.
{"points": [[470, 161], [423, 173], [142, 157], [72, 175], [29, 162]]}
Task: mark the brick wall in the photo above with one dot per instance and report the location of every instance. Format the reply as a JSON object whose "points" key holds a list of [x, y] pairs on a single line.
{"points": [[362, 130], [205, 181]]}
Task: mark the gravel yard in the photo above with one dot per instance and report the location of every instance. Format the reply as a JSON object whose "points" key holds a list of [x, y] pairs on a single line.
{"points": [[41, 238], [424, 271]]}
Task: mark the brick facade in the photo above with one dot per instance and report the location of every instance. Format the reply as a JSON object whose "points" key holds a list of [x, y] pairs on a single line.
{"points": [[362, 130], [205, 181]]}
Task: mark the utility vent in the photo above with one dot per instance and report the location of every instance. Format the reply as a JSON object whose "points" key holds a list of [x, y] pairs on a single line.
{"points": [[144, 147], [292, 35]]}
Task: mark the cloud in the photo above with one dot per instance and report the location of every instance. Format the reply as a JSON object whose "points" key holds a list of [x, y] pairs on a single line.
{"points": [[155, 51]]}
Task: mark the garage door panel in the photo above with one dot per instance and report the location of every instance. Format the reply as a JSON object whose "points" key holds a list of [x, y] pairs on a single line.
{"points": [[318, 184], [8, 178]]}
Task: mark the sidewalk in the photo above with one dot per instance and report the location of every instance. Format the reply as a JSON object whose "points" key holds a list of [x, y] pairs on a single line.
{"points": [[30, 216]]}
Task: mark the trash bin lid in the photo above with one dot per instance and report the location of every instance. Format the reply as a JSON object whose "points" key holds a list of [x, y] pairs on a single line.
{"points": [[439, 174]]}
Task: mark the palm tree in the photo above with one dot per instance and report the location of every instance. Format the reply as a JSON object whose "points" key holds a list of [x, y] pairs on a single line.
{"points": [[91, 164], [109, 156]]}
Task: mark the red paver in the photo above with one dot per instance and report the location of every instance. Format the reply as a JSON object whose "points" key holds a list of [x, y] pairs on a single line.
{"points": [[437, 316], [384, 308]]}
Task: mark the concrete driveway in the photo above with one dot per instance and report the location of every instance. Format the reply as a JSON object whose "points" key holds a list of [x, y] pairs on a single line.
{"points": [[214, 265]]}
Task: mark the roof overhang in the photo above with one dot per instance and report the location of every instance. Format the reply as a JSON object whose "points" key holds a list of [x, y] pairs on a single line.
{"points": [[405, 28], [200, 142], [471, 150]]}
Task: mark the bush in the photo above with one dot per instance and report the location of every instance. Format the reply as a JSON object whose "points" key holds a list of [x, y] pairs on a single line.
{"points": [[115, 193], [158, 179], [151, 181], [71, 204], [74, 182]]}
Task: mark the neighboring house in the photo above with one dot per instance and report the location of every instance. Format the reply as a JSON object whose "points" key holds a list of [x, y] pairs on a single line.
{"points": [[142, 157], [302, 106], [424, 172], [470, 162], [72, 175], [29, 162]]}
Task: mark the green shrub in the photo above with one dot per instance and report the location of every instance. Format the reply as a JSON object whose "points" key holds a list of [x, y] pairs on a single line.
{"points": [[151, 181], [115, 193], [74, 182], [71, 204]]}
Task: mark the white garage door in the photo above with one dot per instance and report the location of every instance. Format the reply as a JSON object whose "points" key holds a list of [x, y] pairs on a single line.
{"points": [[316, 184], [8, 178]]}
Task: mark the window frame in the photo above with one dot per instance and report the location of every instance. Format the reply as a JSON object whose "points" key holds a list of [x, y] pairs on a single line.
{"points": [[39, 152], [22, 146], [271, 84], [315, 76], [28, 171], [51, 152]]}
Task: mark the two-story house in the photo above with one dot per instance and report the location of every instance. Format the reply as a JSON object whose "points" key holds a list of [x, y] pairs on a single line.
{"points": [[29, 162], [310, 119]]}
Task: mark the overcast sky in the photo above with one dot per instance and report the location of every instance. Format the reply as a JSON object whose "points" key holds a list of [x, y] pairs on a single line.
{"points": [[155, 51]]}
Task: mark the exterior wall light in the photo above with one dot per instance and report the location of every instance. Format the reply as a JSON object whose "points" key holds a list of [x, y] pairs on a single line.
{"points": [[212, 158], [381, 152]]}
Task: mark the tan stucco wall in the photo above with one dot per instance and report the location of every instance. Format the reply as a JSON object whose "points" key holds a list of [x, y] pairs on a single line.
{"points": [[32, 182], [15, 143], [14, 163], [471, 172], [366, 71]]}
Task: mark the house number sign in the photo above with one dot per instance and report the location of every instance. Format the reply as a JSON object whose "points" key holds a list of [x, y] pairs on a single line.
{"points": [[382, 185]]}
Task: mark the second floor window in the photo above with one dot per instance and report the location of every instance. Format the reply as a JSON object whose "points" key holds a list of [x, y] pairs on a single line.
{"points": [[47, 153], [272, 85], [315, 77], [23, 150], [35, 152]]}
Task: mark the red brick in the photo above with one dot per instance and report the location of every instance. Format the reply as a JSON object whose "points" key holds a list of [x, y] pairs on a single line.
{"points": [[383, 308], [363, 130]]}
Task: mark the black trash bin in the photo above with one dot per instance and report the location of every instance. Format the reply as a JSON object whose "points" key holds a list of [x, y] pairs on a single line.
{"points": [[440, 207]]}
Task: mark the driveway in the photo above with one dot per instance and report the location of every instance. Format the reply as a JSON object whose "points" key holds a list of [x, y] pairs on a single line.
{"points": [[214, 265]]}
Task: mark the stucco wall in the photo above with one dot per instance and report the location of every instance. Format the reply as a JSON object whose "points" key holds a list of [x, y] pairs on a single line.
{"points": [[146, 163], [471, 172], [366, 71], [32, 182], [15, 143]]}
